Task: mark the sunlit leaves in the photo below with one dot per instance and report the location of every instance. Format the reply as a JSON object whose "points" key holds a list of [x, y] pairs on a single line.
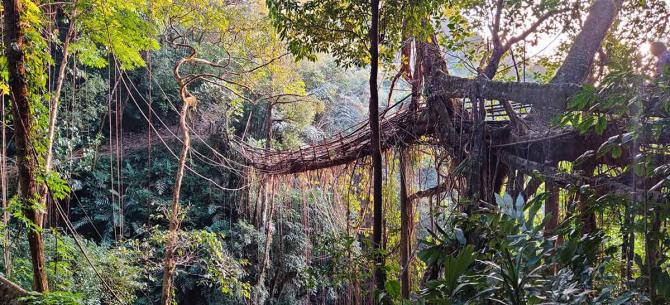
{"points": [[53, 298], [212, 17], [112, 27], [88, 53], [4, 75]]}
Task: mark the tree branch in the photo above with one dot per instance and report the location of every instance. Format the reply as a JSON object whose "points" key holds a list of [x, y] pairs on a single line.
{"points": [[429, 192]]}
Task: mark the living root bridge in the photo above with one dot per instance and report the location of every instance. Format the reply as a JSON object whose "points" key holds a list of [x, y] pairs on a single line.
{"points": [[401, 128], [406, 127]]}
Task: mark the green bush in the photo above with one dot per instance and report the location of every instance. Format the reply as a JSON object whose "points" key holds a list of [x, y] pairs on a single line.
{"points": [[69, 270]]}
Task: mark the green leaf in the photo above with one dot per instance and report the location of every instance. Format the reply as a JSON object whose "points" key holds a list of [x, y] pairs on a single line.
{"points": [[393, 289], [616, 152], [601, 125]]}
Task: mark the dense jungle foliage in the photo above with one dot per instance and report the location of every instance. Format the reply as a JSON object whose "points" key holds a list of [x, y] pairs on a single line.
{"points": [[335, 152]]}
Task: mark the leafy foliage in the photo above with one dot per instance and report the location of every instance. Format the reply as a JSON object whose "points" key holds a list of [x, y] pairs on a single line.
{"points": [[117, 27], [341, 28], [73, 278], [52, 298]]}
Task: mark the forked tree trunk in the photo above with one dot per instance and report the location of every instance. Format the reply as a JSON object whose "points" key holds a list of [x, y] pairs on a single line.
{"points": [[23, 129]]}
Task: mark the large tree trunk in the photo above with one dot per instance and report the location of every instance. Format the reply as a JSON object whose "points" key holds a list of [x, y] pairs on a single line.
{"points": [[23, 128], [439, 95], [577, 64], [575, 69], [379, 274]]}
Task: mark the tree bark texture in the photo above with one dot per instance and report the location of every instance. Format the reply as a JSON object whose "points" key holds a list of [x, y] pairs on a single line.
{"points": [[378, 214], [577, 65], [169, 263], [406, 228], [22, 112]]}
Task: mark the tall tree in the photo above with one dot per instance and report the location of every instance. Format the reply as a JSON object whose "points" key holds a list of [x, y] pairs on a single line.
{"points": [[377, 230], [175, 214], [24, 128], [413, 74], [406, 225], [245, 54]]}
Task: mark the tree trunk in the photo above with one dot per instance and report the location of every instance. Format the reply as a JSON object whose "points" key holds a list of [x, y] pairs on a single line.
{"points": [[379, 274], [628, 245], [53, 112], [652, 238], [169, 263], [575, 69], [55, 97], [23, 128], [6, 251], [406, 225], [551, 208], [150, 112], [406, 208], [476, 181], [492, 66], [587, 216], [267, 230], [579, 60], [265, 223]]}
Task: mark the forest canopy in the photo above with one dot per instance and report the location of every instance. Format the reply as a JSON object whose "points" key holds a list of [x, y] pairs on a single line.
{"points": [[335, 152]]}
